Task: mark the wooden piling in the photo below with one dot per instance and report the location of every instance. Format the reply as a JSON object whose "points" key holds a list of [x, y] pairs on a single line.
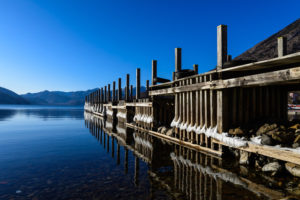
{"points": [[138, 83]]}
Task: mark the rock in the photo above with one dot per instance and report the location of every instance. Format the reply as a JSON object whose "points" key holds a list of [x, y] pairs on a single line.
{"points": [[297, 139], [244, 157], [236, 131], [271, 167], [293, 169], [243, 170], [266, 140], [271, 132], [164, 130], [296, 126], [265, 128], [297, 132], [295, 145], [277, 138], [170, 132], [159, 129]]}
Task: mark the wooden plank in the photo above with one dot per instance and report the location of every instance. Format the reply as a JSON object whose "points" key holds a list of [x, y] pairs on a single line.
{"points": [[269, 78]]}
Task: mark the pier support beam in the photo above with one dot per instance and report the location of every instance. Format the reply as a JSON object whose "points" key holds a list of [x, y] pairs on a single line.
{"points": [[127, 87], [138, 83], [114, 92], [282, 46], [177, 59], [108, 96], [105, 94], [120, 90], [222, 111], [154, 72], [221, 46]]}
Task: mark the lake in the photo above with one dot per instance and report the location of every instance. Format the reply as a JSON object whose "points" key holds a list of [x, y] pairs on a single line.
{"points": [[64, 153]]}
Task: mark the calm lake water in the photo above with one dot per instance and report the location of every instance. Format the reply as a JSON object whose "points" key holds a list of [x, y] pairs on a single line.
{"points": [[64, 153]]}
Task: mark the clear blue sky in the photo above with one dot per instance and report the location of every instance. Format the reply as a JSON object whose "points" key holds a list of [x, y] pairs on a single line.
{"points": [[74, 45]]}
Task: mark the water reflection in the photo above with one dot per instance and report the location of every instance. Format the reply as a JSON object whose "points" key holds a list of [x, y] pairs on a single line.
{"points": [[43, 112], [181, 172]]}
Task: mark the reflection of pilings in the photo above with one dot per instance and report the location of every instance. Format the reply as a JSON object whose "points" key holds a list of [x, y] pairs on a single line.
{"points": [[118, 154], [108, 138], [104, 140], [126, 160], [113, 147], [136, 170], [101, 131]]}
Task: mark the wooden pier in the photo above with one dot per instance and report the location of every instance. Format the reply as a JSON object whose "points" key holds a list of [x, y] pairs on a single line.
{"points": [[196, 175], [197, 110]]}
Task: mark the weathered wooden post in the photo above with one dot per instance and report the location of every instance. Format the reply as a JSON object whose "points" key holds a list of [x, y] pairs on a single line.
{"points": [[127, 87], [102, 95], [221, 59], [147, 87], [282, 46], [221, 46], [154, 72], [195, 68], [138, 83], [120, 90], [105, 94], [108, 96], [177, 59], [114, 91], [131, 92]]}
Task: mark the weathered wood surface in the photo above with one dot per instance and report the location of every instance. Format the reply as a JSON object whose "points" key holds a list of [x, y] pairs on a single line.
{"points": [[269, 78]]}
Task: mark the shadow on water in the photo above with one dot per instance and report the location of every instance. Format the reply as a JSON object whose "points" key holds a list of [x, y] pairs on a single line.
{"points": [[181, 172]]}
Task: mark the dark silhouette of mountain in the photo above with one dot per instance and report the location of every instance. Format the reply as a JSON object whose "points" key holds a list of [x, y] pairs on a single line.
{"points": [[267, 49], [9, 97], [57, 98]]}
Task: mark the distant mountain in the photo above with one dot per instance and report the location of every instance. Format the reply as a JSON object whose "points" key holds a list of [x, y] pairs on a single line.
{"points": [[267, 49], [9, 97], [57, 98]]}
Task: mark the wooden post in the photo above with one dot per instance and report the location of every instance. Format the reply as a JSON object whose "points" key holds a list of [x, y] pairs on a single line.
{"points": [[105, 94], [195, 68], [282, 46], [234, 106], [241, 106], [127, 87], [131, 92], [114, 92], [177, 59], [120, 90], [108, 96], [147, 87], [138, 83], [221, 45], [154, 72], [222, 113]]}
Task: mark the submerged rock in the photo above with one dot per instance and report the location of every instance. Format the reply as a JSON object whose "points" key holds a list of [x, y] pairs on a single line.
{"points": [[271, 167], [293, 169]]}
